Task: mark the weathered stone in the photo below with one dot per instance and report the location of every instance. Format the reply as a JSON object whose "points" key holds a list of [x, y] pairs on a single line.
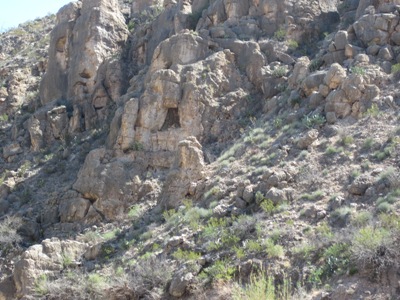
{"points": [[335, 76], [58, 120], [179, 283], [73, 210], [12, 149], [341, 40], [360, 184], [248, 194], [307, 139], [385, 53], [85, 35], [316, 99], [126, 135], [331, 117], [312, 82], [300, 71], [36, 133], [188, 167], [108, 184], [276, 195], [45, 258]]}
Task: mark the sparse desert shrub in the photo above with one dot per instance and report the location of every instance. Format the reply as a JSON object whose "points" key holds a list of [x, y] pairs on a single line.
{"points": [[4, 118], [313, 120], [148, 277], [134, 212], [333, 150], [219, 270], [395, 68], [273, 250], [315, 65], [186, 255], [41, 287], [313, 196], [375, 248], [336, 259], [292, 44], [346, 140], [280, 34], [357, 70], [263, 287], [9, 237], [279, 72], [362, 219], [373, 111], [368, 143]]}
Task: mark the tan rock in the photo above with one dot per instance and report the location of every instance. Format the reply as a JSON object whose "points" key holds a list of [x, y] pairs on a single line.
{"points": [[126, 135], [335, 76], [46, 258], [188, 168], [108, 184], [307, 139]]}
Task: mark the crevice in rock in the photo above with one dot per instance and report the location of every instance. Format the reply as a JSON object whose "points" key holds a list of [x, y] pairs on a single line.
{"points": [[172, 119]]}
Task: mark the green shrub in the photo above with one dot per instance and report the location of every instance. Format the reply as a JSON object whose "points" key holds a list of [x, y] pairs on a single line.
{"points": [[267, 206], [8, 233], [347, 140], [357, 70], [368, 143], [315, 65], [280, 34], [337, 258], [362, 219], [374, 247], [134, 212], [259, 287], [186, 255], [219, 270], [314, 120], [333, 150], [273, 250], [395, 68], [292, 44], [41, 288], [313, 196], [383, 207], [373, 111], [4, 118], [279, 72]]}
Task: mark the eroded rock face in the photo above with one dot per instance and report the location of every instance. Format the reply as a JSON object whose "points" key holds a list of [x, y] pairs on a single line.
{"points": [[108, 183], [44, 259], [269, 16], [178, 96], [86, 34], [187, 170]]}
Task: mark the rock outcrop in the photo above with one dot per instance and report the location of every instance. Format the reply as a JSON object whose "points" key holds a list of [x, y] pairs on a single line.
{"points": [[45, 259], [87, 33], [187, 170]]}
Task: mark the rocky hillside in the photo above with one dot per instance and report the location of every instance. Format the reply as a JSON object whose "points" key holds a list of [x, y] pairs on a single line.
{"points": [[201, 149]]}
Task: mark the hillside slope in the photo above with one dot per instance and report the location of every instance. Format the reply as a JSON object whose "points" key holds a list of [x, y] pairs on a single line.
{"points": [[201, 149]]}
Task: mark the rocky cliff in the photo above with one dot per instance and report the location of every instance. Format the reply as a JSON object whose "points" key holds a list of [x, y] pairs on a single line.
{"points": [[198, 148]]}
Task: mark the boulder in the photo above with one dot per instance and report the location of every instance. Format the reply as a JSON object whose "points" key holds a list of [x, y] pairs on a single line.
{"points": [[73, 210], [188, 167], [360, 184], [335, 76], [12, 149], [307, 139], [46, 258], [108, 184]]}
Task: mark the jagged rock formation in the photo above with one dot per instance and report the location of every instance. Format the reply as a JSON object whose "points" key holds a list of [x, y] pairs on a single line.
{"points": [[233, 107]]}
